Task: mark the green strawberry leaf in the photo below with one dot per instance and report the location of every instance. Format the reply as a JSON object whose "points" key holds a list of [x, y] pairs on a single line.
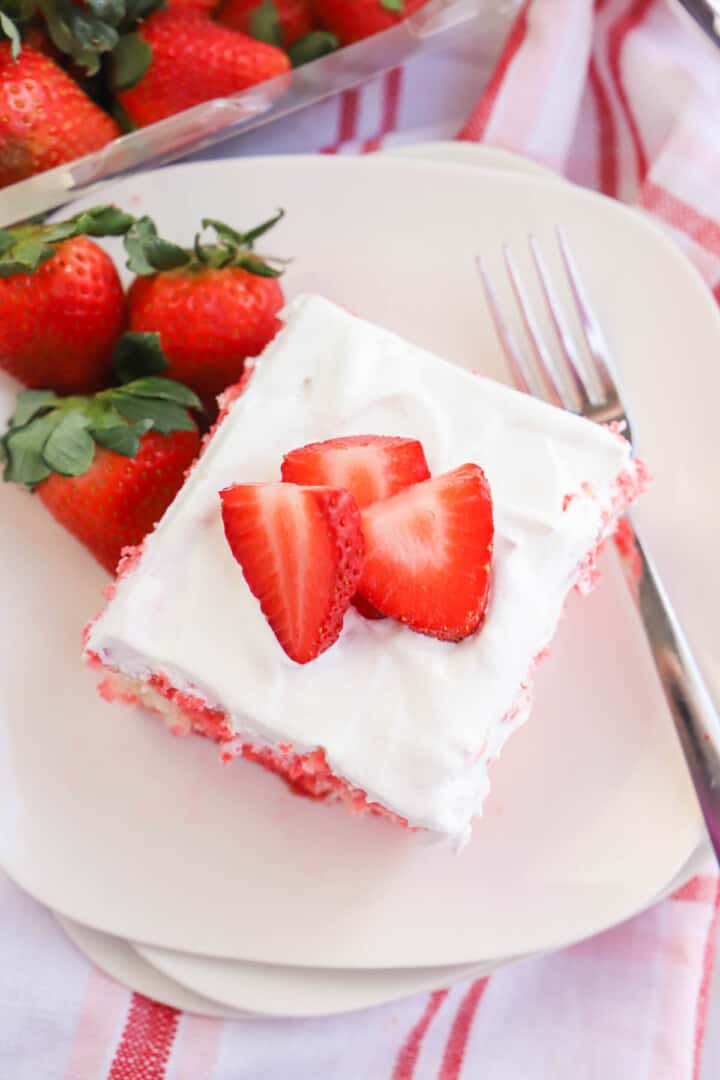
{"points": [[123, 438], [99, 221], [136, 10], [24, 450], [24, 256], [26, 247], [78, 32], [148, 253], [249, 237], [102, 414], [265, 24], [395, 6], [12, 33], [137, 354], [110, 11], [162, 389], [257, 266], [311, 47], [29, 403], [223, 231], [69, 449], [166, 416], [132, 57]]}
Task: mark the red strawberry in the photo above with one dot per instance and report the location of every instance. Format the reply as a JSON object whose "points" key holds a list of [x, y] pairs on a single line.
{"points": [[45, 118], [365, 609], [352, 20], [118, 500], [37, 38], [62, 306], [372, 467], [96, 464], [293, 18], [428, 554], [202, 7], [214, 310], [301, 551], [195, 60]]}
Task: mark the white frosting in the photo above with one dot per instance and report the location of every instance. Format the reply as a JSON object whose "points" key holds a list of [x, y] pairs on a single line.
{"points": [[411, 720]]}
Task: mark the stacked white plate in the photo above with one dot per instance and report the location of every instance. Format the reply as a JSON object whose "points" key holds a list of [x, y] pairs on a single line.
{"points": [[216, 890]]}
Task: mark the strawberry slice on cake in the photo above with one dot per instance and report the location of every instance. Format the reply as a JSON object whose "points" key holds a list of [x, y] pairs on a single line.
{"points": [[302, 552], [372, 467], [428, 554]]}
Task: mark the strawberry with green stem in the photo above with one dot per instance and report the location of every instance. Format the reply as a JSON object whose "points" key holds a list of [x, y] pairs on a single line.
{"points": [[62, 305], [106, 466], [45, 118], [353, 20], [277, 22], [213, 305], [179, 58]]}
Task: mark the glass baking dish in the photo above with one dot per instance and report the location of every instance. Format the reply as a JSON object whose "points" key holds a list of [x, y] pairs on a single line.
{"points": [[440, 24]]}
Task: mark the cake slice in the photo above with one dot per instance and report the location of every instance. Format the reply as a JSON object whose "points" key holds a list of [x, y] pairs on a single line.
{"points": [[387, 719]]}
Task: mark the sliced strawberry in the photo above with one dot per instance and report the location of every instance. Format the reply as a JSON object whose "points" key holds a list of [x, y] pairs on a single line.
{"points": [[301, 551], [366, 609], [372, 467], [428, 553]]}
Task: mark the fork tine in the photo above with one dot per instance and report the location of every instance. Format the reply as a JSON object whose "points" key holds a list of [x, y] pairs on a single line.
{"points": [[562, 330], [522, 374], [597, 345], [556, 389]]}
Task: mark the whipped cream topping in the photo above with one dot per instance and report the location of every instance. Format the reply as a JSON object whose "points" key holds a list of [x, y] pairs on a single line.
{"points": [[411, 720]]}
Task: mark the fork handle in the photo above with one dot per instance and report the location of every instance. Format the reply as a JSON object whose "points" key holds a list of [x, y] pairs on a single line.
{"points": [[693, 711]]}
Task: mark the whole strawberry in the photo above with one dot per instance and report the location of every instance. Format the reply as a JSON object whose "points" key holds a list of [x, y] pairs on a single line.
{"points": [[106, 467], [213, 306], [193, 60], [352, 20], [286, 20], [45, 118], [62, 306]]}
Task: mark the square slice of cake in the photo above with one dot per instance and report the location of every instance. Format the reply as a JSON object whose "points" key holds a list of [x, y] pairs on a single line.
{"points": [[387, 719]]}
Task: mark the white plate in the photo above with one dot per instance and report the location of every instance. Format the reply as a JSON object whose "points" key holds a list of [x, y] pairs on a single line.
{"points": [[119, 960], [277, 990], [282, 991], [174, 978], [455, 152], [125, 829]]}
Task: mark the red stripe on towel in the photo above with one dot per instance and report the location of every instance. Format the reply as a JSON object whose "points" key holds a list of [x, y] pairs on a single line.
{"points": [[617, 36], [410, 1050], [392, 86], [460, 1031], [674, 211], [478, 122], [146, 1043], [347, 123]]}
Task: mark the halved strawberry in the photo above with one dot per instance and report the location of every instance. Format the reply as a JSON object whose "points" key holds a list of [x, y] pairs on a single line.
{"points": [[301, 551], [364, 608], [428, 553], [372, 467]]}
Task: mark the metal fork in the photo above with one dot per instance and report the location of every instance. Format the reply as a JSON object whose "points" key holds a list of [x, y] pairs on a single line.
{"points": [[558, 371]]}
